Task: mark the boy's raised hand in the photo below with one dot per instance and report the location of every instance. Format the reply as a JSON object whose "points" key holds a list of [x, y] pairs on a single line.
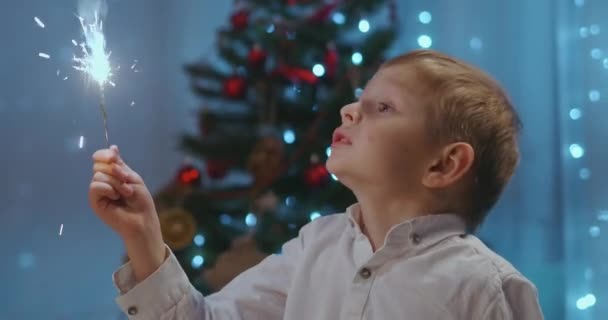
{"points": [[120, 198]]}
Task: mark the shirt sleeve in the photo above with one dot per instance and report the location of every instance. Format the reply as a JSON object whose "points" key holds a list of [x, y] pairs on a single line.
{"points": [[258, 293], [517, 300]]}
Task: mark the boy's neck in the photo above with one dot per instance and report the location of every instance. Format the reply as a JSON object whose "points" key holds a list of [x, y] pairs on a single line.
{"points": [[378, 216]]}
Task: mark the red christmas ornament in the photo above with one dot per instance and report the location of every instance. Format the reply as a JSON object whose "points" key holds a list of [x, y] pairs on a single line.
{"points": [[240, 19], [331, 60], [235, 87], [189, 176], [297, 74], [256, 57], [316, 175], [217, 169]]}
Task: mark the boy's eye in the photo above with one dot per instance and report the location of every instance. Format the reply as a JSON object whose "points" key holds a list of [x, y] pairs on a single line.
{"points": [[383, 107]]}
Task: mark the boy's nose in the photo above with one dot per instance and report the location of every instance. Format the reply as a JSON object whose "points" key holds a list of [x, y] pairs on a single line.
{"points": [[350, 113]]}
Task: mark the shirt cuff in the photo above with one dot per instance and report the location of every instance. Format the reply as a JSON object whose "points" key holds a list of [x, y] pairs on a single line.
{"points": [[155, 295]]}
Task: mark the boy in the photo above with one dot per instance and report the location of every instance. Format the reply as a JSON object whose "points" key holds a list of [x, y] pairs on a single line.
{"points": [[427, 150]]}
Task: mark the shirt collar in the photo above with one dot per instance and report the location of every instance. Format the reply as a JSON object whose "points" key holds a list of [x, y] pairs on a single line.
{"points": [[426, 229]]}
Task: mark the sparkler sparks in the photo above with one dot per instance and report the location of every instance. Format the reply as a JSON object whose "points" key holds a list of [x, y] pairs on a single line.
{"points": [[95, 62], [39, 22]]}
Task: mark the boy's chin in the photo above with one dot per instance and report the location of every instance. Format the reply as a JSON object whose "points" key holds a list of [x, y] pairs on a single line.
{"points": [[340, 167], [337, 169], [333, 166], [347, 174]]}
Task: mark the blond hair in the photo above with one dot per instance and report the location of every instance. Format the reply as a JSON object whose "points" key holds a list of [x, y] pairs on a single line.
{"points": [[467, 105]]}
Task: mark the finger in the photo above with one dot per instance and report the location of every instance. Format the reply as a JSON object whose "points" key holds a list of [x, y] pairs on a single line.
{"points": [[130, 175], [126, 174], [122, 188], [113, 170], [105, 155], [103, 167], [114, 148], [120, 171], [100, 190]]}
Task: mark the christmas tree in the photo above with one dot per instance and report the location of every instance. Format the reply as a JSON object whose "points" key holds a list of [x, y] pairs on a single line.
{"points": [[270, 102]]}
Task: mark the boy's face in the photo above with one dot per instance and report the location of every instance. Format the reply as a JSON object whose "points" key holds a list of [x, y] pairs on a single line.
{"points": [[383, 142]]}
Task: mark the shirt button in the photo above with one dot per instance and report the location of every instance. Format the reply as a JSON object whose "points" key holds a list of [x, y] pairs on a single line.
{"points": [[415, 238], [365, 273], [132, 311]]}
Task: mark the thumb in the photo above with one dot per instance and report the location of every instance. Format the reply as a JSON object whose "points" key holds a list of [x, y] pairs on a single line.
{"points": [[119, 158], [134, 177]]}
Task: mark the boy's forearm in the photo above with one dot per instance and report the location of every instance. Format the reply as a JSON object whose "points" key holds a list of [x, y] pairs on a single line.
{"points": [[146, 255]]}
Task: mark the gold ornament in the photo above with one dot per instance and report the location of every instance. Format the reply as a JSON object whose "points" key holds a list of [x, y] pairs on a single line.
{"points": [[265, 160], [171, 195], [178, 227]]}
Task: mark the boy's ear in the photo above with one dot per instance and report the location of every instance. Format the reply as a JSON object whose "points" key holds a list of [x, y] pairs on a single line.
{"points": [[453, 162]]}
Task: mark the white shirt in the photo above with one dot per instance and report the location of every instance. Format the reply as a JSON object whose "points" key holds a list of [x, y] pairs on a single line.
{"points": [[427, 269]]}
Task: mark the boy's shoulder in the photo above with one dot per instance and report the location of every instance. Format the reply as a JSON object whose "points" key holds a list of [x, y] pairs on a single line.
{"points": [[470, 257], [466, 265]]}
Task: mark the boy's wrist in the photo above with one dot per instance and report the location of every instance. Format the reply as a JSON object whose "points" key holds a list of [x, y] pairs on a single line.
{"points": [[146, 256]]}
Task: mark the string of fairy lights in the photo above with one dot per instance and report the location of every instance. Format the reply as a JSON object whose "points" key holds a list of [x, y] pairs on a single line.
{"points": [[581, 106]]}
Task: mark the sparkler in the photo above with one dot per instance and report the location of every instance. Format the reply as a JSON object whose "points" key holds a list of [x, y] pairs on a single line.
{"points": [[95, 62]]}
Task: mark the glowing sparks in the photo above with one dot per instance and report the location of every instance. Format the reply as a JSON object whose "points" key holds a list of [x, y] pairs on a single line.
{"points": [[66, 78], [44, 55], [39, 22], [81, 142], [61, 229], [74, 43], [134, 65], [132, 103], [95, 61]]}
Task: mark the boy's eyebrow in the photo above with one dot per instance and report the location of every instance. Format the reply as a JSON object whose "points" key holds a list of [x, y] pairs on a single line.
{"points": [[383, 99]]}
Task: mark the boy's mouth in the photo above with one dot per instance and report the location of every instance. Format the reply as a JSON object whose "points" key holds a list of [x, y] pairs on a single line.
{"points": [[340, 138]]}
